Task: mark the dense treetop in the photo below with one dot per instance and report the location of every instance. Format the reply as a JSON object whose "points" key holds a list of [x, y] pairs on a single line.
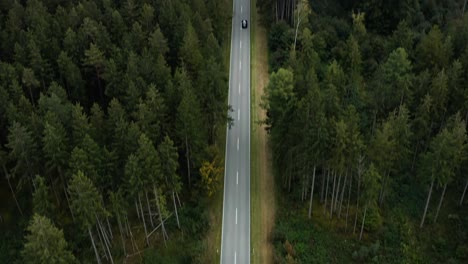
{"points": [[101, 124], [369, 101]]}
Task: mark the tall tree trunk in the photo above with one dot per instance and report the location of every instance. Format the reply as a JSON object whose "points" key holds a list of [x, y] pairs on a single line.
{"points": [[175, 207], [187, 155], [333, 195], [323, 187], [178, 199], [101, 239], [337, 194], [363, 221], [427, 202], [143, 218], [289, 179], [163, 228], [105, 238], [463, 11], [121, 235], [384, 187], [349, 200], [312, 193], [357, 200], [463, 194], [326, 193], [342, 195], [149, 210], [276, 11], [137, 209], [440, 203], [110, 230], [94, 246], [7, 176]]}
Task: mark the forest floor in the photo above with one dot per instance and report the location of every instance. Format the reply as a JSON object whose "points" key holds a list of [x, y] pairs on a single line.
{"points": [[262, 180]]}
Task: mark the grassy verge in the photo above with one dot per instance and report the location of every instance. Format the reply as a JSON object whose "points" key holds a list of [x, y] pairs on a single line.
{"points": [[261, 179], [255, 216], [213, 238]]}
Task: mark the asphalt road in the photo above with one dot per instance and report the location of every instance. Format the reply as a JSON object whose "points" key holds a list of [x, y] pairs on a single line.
{"points": [[235, 241]]}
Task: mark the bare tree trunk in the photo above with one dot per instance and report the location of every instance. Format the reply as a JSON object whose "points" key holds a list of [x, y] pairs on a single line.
{"points": [[126, 226], [349, 200], [137, 209], [427, 202], [276, 11], [105, 238], [326, 192], [363, 221], [312, 193], [440, 203], [175, 207], [149, 210], [357, 200], [101, 239], [464, 190], [121, 235], [143, 218], [290, 179], [94, 246], [101, 229], [160, 216], [342, 195], [333, 195], [323, 186], [337, 194], [178, 199], [463, 11], [110, 230], [7, 176]]}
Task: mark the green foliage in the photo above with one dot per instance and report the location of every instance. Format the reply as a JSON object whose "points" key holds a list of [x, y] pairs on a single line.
{"points": [[280, 39], [85, 200], [45, 243], [81, 82], [41, 199]]}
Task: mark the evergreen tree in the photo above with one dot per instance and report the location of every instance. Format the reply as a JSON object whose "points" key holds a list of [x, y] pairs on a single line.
{"points": [[41, 202], [45, 243]]}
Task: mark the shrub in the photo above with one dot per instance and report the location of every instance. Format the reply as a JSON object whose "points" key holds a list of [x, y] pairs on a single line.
{"points": [[462, 252], [373, 219]]}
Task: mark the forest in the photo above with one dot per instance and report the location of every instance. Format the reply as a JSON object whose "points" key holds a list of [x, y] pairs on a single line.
{"points": [[110, 113], [367, 110]]}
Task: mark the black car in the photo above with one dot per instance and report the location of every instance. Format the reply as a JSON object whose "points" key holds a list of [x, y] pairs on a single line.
{"points": [[244, 23]]}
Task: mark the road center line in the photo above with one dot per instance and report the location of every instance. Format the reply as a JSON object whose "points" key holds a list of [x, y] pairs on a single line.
{"points": [[241, 9], [236, 216], [239, 88], [238, 114], [235, 257], [241, 44], [240, 65], [237, 178], [237, 143]]}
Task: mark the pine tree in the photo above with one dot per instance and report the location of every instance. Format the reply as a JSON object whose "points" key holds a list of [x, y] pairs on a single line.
{"points": [[45, 243], [86, 204], [41, 202]]}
